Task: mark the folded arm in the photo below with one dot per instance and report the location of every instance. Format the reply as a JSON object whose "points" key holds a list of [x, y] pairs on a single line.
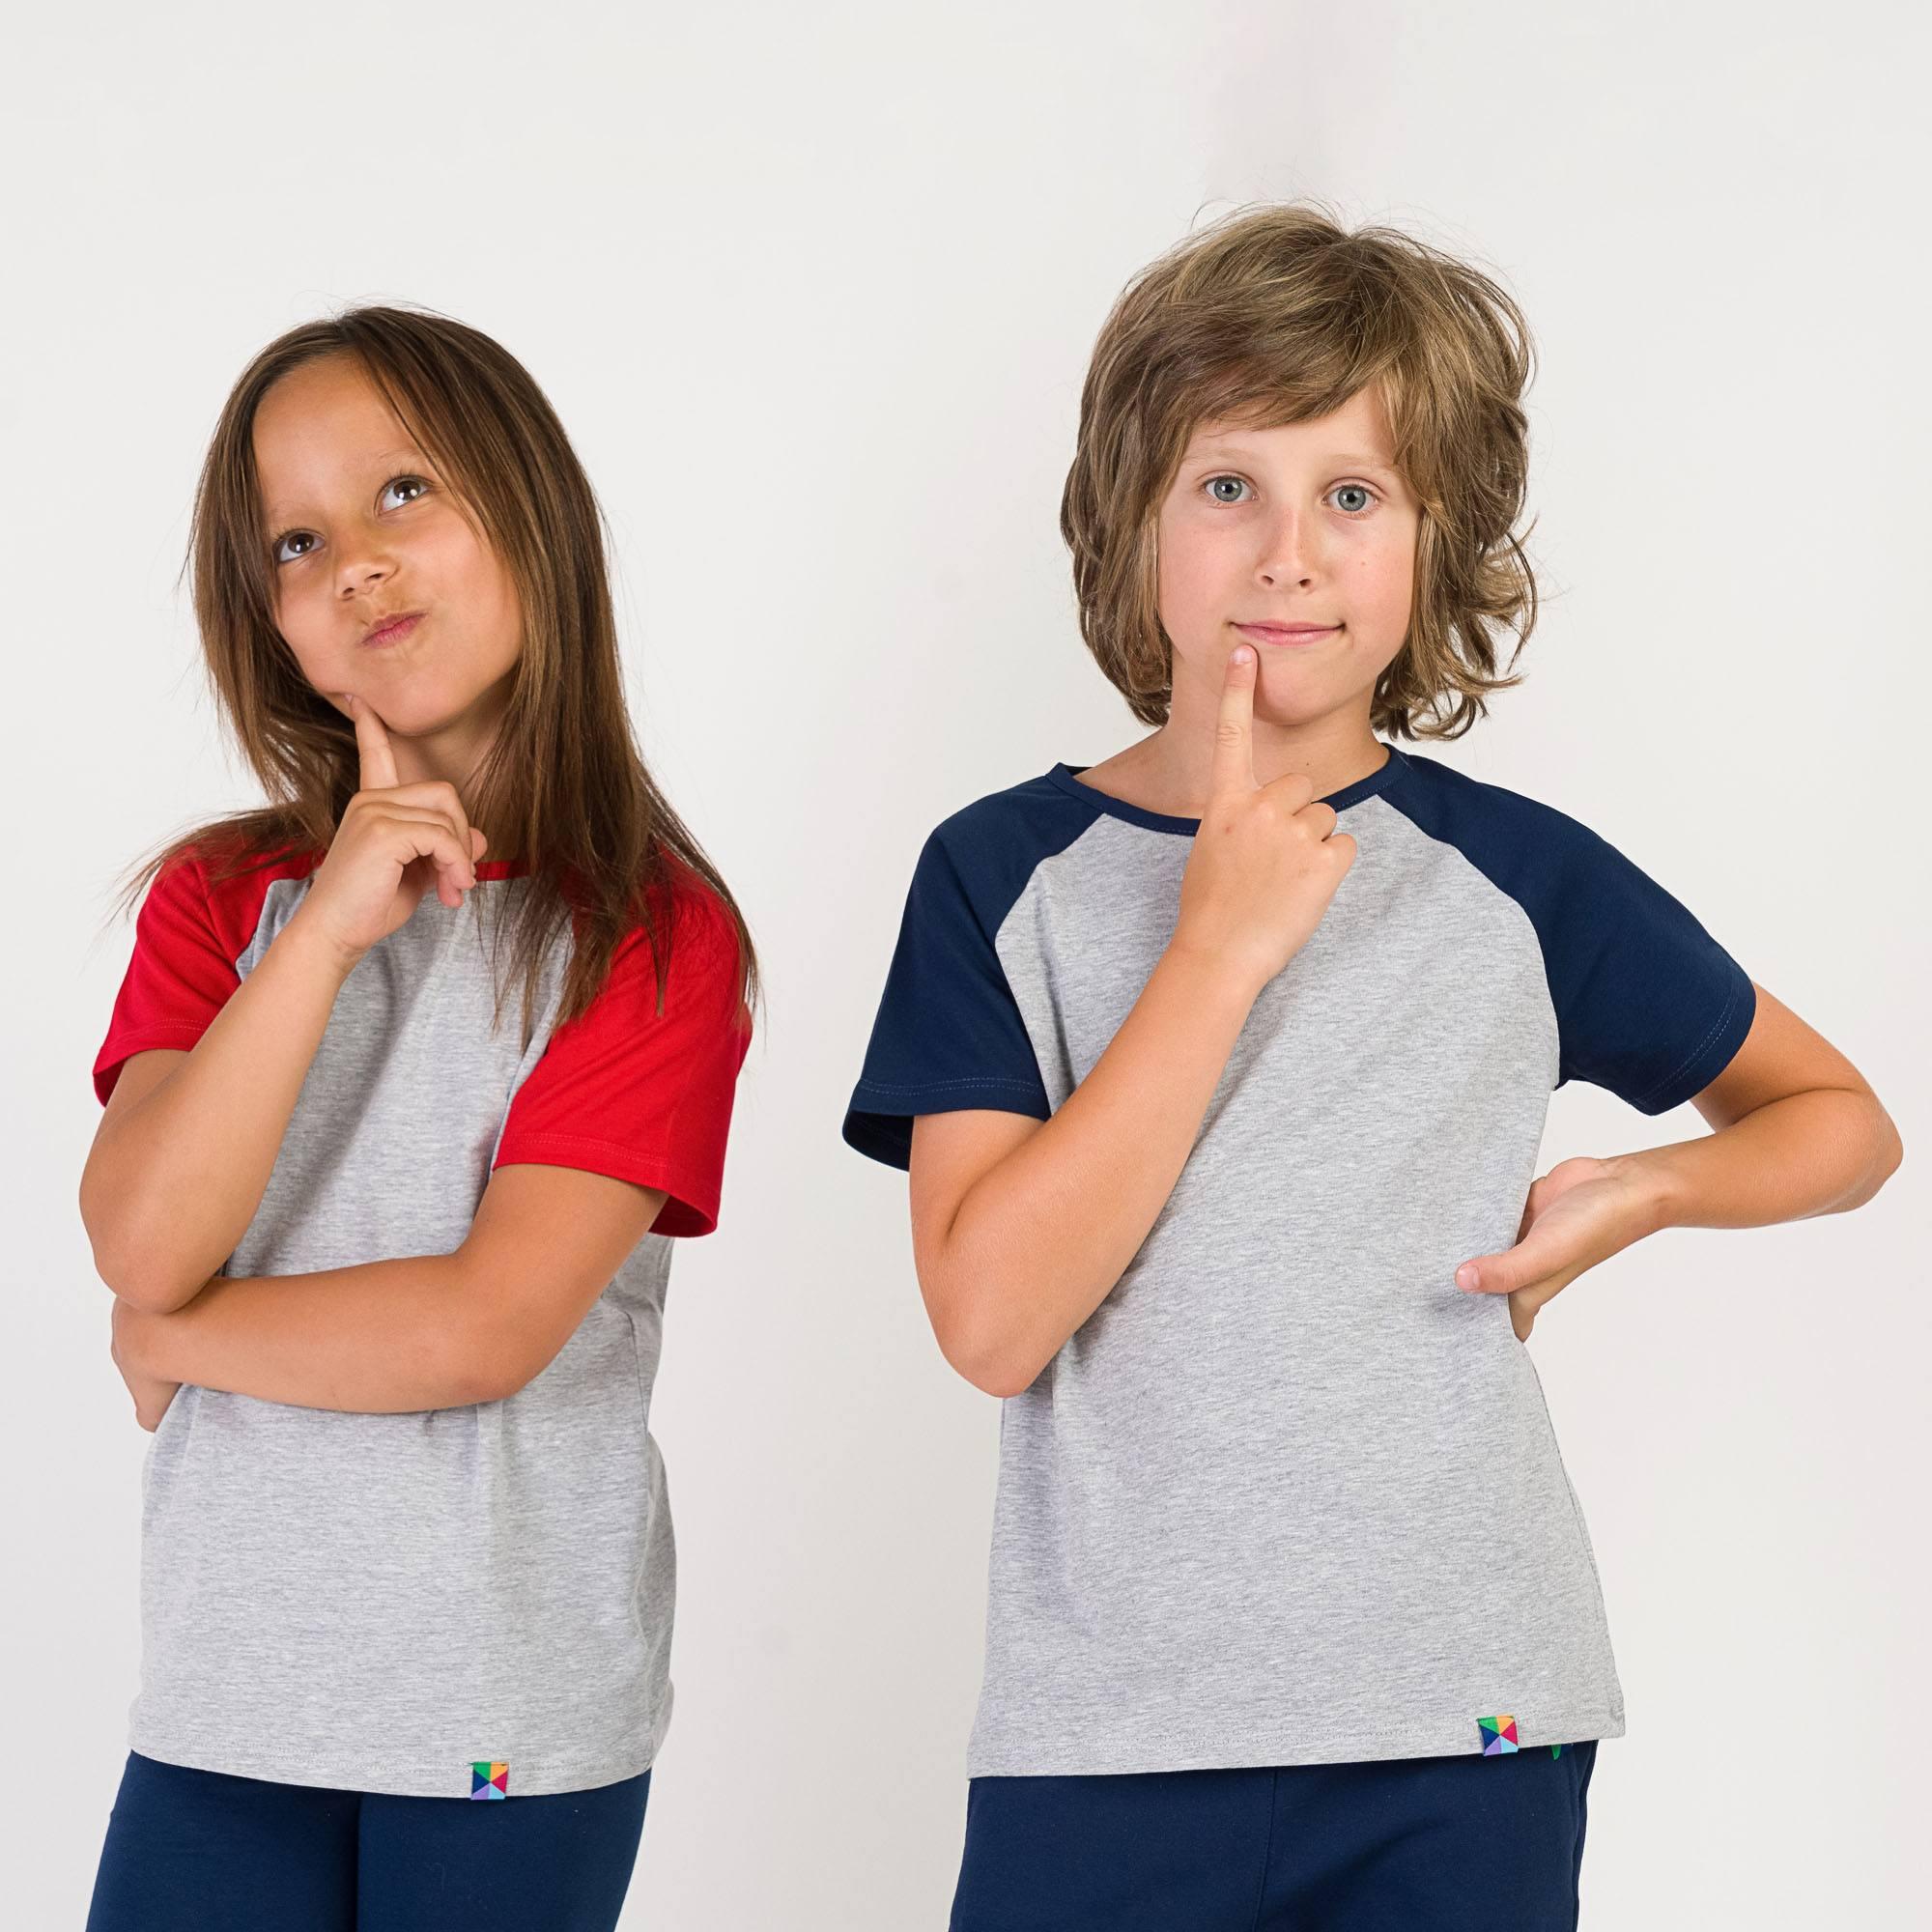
{"points": [[420, 1332], [1797, 1132]]}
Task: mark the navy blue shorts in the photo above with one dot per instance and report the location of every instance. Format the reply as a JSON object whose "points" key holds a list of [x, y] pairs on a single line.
{"points": [[204, 1850], [1450, 1843]]}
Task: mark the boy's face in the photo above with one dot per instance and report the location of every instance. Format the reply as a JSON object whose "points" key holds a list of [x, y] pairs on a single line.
{"points": [[362, 527], [1305, 525]]}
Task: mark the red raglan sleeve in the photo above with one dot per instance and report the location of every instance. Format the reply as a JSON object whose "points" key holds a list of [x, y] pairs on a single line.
{"points": [[639, 1094], [180, 975]]}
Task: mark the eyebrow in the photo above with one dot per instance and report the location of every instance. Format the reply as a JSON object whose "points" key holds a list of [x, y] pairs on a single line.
{"points": [[275, 517], [1346, 461]]}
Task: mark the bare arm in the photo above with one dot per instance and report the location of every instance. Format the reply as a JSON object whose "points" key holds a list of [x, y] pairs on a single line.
{"points": [[184, 1152], [1021, 1227], [421, 1332], [1797, 1132], [188, 1142]]}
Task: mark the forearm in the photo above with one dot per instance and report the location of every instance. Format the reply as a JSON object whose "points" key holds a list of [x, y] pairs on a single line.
{"points": [[1041, 1238], [1817, 1152], [171, 1185], [385, 1337]]}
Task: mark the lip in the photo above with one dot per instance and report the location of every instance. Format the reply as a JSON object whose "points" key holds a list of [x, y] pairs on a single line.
{"points": [[392, 630], [1287, 633]]}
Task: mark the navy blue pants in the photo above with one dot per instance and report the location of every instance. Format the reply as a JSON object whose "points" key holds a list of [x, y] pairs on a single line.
{"points": [[1450, 1843], [202, 1849]]}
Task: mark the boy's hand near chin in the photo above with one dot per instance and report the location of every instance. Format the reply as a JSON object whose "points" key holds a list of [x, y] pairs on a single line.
{"points": [[151, 1394], [1582, 1212]]}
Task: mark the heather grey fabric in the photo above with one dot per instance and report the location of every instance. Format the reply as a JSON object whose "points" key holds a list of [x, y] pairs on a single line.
{"points": [[1290, 1495], [379, 1601]]}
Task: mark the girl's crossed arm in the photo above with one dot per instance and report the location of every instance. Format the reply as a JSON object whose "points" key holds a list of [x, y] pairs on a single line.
{"points": [[420, 1332]]}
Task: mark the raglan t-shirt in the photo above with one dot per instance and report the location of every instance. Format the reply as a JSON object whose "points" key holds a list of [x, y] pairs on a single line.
{"points": [[1290, 1495], [462, 1602]]}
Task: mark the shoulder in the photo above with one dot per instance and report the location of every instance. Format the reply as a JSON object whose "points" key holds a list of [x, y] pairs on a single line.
{"points": [[220, 889], [990, 848], [1527, 846], [1429, 788], [698, 933]]}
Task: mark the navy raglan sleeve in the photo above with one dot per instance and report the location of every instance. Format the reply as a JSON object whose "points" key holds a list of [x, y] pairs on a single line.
{"points": [[949, 1033], [1648, 1005]]}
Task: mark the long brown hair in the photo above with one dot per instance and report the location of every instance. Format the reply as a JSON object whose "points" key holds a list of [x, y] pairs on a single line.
{"points": [[564, 780], [1275, 315]]}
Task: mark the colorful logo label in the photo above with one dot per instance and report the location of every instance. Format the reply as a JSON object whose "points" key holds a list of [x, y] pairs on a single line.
{"points": [[1499, 1738], [1498, 1735], [490, 1781]]}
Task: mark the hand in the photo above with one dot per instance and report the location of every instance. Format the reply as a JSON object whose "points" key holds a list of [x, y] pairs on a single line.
{"points": [[1267, 859], [152, 1395], [1581, 1212], [394, 842]]}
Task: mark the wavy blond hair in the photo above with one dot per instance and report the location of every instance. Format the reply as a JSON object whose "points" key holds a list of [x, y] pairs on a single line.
{"points": [[1275, 315]]}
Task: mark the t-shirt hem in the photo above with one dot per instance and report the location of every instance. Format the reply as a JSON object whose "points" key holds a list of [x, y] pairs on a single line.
{"points": [[690, 1208], [1713, 1051], [529, 1777], [1226, 1751], [176, 1035]]}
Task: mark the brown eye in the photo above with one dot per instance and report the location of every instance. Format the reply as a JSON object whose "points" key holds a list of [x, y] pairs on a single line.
{"points": [[394, 481], [275, 550]]}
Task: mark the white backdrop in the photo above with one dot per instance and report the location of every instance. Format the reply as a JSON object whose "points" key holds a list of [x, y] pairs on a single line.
{"points": [[814, 289]]}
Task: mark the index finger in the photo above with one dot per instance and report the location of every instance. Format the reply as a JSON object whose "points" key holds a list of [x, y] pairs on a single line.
{"points": [[1234, 766], [372, 741]]}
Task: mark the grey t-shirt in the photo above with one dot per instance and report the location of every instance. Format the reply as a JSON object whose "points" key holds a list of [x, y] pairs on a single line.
{"points": [[1290, 1495], [460, 1601]]}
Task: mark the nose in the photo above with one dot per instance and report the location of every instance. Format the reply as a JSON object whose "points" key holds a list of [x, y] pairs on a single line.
{"points": [[1287, 552], [360, 567]]}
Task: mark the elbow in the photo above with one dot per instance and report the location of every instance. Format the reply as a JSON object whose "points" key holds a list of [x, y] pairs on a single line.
{"points": [[988, 1352], [493, 1356], [487, 1371], [147, 1288], [1888, 1155], [132, 1260]]}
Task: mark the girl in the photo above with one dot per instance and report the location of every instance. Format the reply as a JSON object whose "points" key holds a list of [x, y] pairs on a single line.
{"points": [[389, 1271]]}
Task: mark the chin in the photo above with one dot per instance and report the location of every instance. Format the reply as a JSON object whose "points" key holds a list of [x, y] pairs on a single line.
{"points": [[1274, 705]]}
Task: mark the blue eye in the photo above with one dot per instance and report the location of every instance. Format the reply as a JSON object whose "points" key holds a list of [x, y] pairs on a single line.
{"points": [[1213, 486], [1353, 490]]}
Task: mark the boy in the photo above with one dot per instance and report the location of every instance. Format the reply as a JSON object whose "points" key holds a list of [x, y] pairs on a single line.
{"points": [[1220, 1070]]}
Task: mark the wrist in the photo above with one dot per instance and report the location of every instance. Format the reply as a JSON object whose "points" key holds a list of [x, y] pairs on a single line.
{"points": [[1656, 1199], [134, 1337], [319, 951], [1212, 973]]}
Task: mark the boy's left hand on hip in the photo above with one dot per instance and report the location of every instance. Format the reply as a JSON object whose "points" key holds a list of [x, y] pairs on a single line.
{"points": [[1581, 1212]]}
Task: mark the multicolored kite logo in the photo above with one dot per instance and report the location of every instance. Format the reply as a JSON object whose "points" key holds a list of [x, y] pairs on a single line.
{"points": [[492, 1780], [1498, 1735], [1499, 1738]]}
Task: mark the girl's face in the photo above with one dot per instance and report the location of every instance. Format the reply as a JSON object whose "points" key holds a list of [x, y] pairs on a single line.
{"points": [[1307, 523], [363, 531]]}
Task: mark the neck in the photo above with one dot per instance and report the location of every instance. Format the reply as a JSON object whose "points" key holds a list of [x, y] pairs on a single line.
{"points": [[1170, 771], [454, 754]]}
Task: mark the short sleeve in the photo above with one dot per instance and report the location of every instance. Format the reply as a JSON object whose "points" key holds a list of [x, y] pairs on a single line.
{"points": [[644, 1096], [1648, 1004], [949, 1034], [180, 975]]}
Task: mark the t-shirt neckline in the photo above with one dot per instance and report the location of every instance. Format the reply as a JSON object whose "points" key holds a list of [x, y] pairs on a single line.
{"points": [[1068, 778]]}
